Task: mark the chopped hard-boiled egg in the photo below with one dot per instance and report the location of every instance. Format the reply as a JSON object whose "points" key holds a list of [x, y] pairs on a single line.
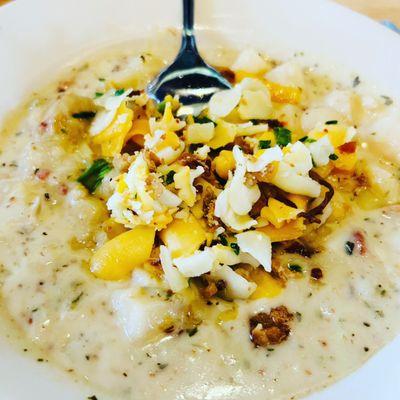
{"points": [[141, 199], [263, 158], [237, 286], [321, 150], [113, 137], [184, 184], [174, 278], [109, 103], [223, 103], [258, 245], [200, 133], [292, 173], [199, 263]]}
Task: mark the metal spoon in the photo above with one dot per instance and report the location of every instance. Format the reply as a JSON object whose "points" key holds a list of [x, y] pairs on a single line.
{"points": [[189, 76]]}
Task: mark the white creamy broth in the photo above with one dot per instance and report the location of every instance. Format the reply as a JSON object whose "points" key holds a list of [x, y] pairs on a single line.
{"points": [[73, 319]]}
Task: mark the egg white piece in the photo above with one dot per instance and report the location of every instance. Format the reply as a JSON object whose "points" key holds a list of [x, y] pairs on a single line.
{"points": [[174, 278], [258, 245]]}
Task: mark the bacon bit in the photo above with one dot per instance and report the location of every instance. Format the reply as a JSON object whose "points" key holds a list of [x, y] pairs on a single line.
{"points": [[63, 189], [316, 273], [208, 208], [297, 247], [43, 125], [359, 241], [270, 329], [349, 147], [193, 161], [274, 123], [42, 174]]}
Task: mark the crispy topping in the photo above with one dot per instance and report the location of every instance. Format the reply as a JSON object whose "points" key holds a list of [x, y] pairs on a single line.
{"points": [[270, 329]]}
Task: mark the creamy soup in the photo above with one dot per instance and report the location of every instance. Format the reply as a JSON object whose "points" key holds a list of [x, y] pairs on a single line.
{"points": [[250, 251]]}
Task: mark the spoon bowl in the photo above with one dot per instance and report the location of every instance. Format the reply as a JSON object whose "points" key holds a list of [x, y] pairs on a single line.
{"points": [[189, 76]]}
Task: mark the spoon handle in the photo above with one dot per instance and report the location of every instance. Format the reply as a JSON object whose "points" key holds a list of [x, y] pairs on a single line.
{"points": [[188, 39]]}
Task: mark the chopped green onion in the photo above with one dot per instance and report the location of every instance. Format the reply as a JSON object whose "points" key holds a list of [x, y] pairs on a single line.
{"points": [[283, 136], [333, 157], [295, 268], [161, 107], [98, 94], [119, 92], [348, 248], [94, 175], [332, 122], [84, 115], [309, 140], [235, 247], [264, 144], [192, 332], [203, 120], [169, 178], [223, 240]]}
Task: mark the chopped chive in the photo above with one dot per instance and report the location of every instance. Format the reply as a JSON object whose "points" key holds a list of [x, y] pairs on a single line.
{"points": [[283, 136], [309, 140], [119, 92], [84, 115], [332, 122], [356, 81], [223, 240], [203, 120], [161, 107], [192, 332], [264, 144], [169, 178], [102, 79], [303, 139], [333, 157], [94, 175], [98, 94], [295, 268], [235, 247], [348, 248]]}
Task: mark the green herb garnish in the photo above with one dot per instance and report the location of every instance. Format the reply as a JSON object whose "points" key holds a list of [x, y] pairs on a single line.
{"points": [[309, 140], [84, 115], [264, 144], [348, 248], [332, 122], [235, 247], [161, 107], [169, 178], [93, 176], [203, 120], [303, 139], [295, 268], [98, 94], [223, 240], [333, 157], [119, 92], [356, 81], [75, 301], [192, 332], [102, 79], [283, 136]]}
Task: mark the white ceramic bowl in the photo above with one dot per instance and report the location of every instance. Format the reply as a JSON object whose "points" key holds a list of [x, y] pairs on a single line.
{"points": [[38, 38]]}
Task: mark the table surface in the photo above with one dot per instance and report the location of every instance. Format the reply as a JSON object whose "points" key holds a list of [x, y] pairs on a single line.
{"points": [[377, 9]]}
